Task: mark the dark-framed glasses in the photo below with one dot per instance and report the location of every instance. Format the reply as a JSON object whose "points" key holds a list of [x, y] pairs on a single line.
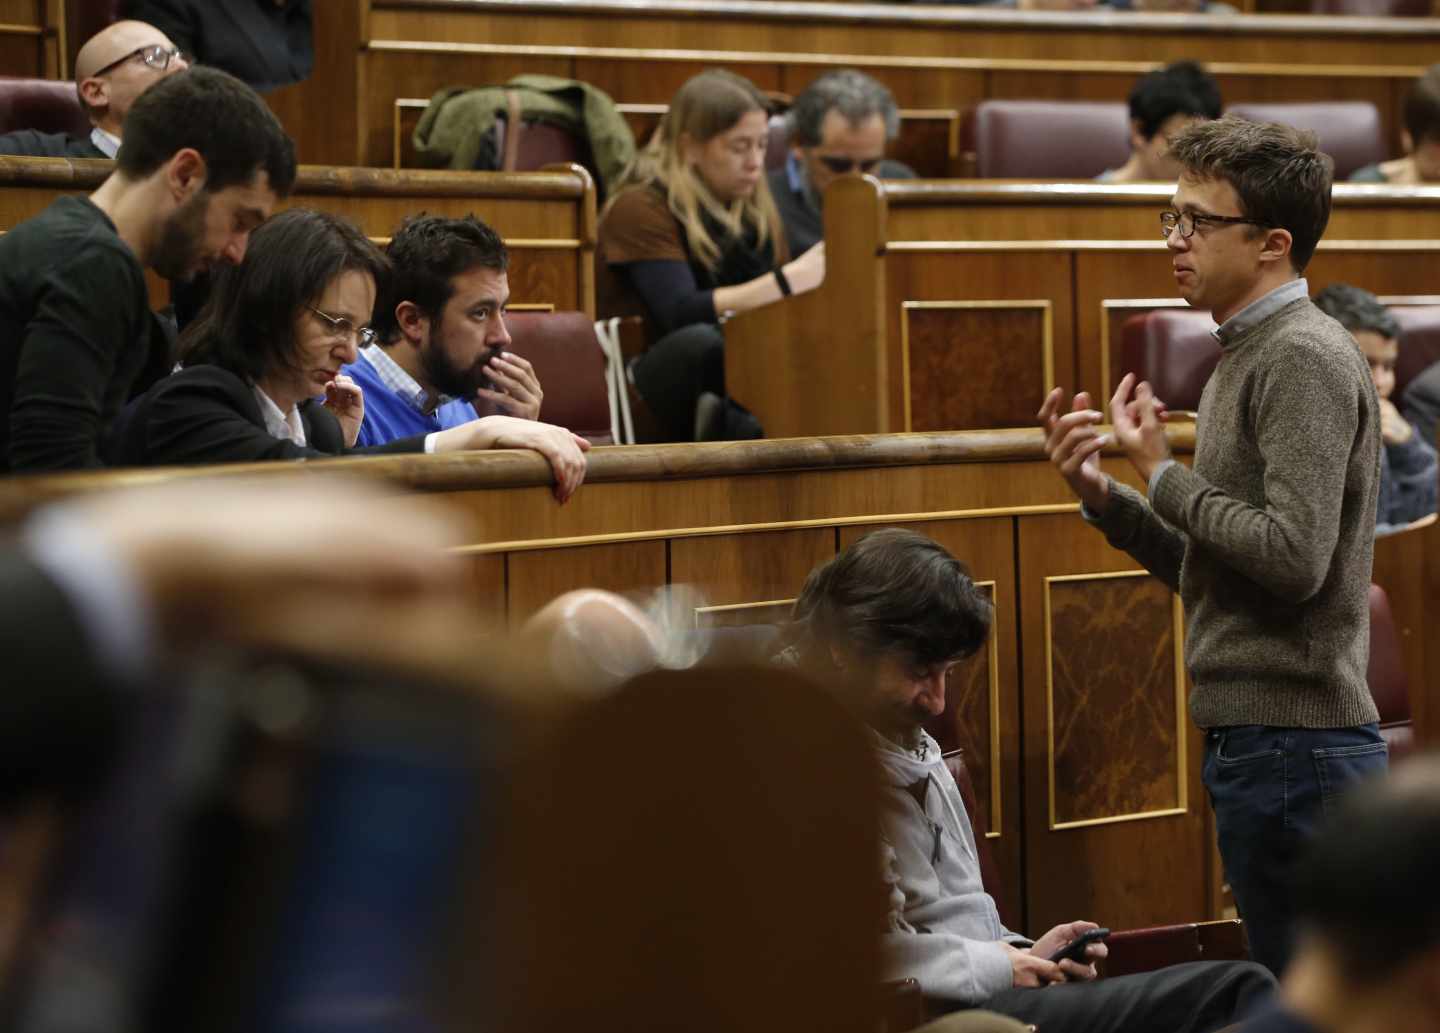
{"points": [[342, 329], [840, 166], [1189, 222], [157, 55]]}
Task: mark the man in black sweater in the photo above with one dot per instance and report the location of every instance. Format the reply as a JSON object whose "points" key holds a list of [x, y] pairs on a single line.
{"points": [[113, 68], [204, 163]]}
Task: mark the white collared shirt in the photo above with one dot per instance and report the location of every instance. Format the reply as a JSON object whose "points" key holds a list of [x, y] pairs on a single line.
{"points": [[287, 426], [107, 143]]}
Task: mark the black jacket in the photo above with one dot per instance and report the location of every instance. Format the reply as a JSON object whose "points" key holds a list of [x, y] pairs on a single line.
{"points": [[30, 143], [206, 414]]}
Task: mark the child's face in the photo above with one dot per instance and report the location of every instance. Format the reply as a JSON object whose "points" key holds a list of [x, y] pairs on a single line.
{"points": [[1381, 353]]}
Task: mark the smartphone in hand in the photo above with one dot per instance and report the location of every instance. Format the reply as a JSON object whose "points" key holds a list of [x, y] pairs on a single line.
{"points": [[1075, 950]]}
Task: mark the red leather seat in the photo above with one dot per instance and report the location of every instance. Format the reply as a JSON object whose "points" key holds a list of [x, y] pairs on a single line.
{"points": [[45, 105], [1373, 8], [1173, 349], [1386, 676], [1419, 343], [1349, 131], [1050, 139], [566, 354], [777, 143]]}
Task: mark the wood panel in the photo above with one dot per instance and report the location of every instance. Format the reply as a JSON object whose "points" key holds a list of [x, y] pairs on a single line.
{"points": [[535, 578], [1114, 737], [982, 697], [323, 113], [547, 218], [732, 569], [975, 364], [487, 583]]}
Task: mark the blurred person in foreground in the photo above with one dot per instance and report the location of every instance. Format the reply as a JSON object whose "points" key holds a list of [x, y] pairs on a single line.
{"points": [[883, 624], [1368, 959], [270, 345], [107, 593], [113, 68], [1407, 462]]}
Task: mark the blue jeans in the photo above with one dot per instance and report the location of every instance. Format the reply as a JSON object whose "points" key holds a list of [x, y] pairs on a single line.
{"points": [[1271, 788]]}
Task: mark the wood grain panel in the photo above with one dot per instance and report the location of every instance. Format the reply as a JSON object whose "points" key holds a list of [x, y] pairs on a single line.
{"points": [[749, 568], [1019, 275], [1115, 677], [1092, 871], [487, 582], [22, 55], [537, 577], [986, 727], [974, 365]]}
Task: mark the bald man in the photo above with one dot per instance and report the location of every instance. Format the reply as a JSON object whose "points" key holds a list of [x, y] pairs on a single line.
{"points": [[115, 66]]}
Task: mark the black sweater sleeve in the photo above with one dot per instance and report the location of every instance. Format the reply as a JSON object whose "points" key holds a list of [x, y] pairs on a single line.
{"points": [[74, 349], [670, 293]]}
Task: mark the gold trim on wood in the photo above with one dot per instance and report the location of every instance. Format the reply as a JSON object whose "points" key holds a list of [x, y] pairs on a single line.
{"points": [[1183, 794], [1047, 337], [530, 306], [1117, 303], [733, 607], [996, 822]]}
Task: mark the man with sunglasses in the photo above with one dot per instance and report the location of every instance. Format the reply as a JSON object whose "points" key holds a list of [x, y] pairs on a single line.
{"points": [[1269, 538], [113, 68], [840, 123]]}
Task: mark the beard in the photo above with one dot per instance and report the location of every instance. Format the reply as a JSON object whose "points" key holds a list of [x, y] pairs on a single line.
{"points": [[449, 378], [182, 238]]}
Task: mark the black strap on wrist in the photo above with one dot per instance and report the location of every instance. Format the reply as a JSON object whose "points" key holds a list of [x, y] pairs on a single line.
{"points": [[785, 290]]}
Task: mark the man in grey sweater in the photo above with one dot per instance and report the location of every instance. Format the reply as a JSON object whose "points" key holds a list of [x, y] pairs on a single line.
{"points": [[881, 625], [1269, 538]]}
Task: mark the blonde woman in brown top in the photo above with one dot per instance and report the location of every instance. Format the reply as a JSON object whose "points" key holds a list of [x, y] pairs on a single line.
{"points": [[690, 235]]}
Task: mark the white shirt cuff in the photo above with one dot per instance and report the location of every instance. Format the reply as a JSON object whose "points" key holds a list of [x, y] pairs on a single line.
{"points": [[1155, 476], [103, 588], [430, 442]]}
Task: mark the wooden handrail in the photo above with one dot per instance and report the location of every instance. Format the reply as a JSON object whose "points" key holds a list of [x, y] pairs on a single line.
{"points": [[905, 192]]}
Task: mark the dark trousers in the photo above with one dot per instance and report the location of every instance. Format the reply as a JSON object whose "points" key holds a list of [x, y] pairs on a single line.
{"points": [[1271, 788], [676, 370], [1200, 997]]}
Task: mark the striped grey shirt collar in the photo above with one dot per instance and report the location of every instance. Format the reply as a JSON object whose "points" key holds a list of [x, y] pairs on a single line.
{"points": [[1260, 309], [403, 384]]}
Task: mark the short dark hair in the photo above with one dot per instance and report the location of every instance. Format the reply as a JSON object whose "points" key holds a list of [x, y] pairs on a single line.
{"points": [[1182, 88], [215, 114], [427, 253], [247, 325], [1365, 885], [1422, 107], [1278, 172], [896, 593], [854, 94], [1357, 310]]}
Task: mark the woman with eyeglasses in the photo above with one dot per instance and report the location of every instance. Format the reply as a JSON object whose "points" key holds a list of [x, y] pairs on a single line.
{"points": [[691, 235], [261, 365]]}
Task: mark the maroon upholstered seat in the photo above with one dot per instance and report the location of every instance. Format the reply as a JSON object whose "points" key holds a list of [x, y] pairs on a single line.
{"points": [[1386, 676], [1050, 139], [566, 354], [1172, 348], [1419, 343], [540, 144], [45, 105], [1349, 131], [777, 144]]}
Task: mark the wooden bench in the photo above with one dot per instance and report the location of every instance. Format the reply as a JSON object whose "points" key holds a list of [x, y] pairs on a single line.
{"points": [[547, 218], [958, 305], [945, 58]]}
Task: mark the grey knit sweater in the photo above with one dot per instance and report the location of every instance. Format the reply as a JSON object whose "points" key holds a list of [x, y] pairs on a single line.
{"points": [[1269, 538]]}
